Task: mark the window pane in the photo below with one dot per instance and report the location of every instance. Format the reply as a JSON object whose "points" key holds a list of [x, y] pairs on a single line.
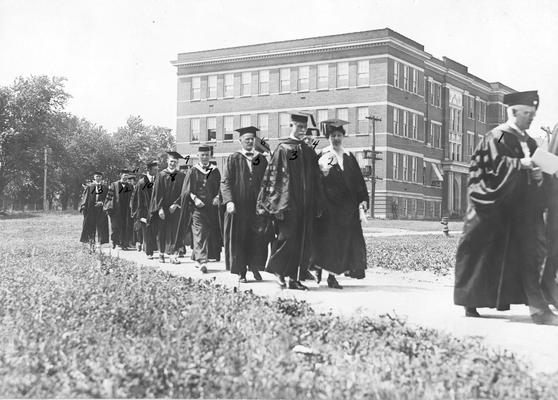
{"points": [[323, 76], [362, 113], [303, 78], [285, 77], [229, 85], [395, 121], [264, 82], [395, 74], [212, 86], [246, 83], [195, 130], [228, 122], [211, 128], [363, 75], [263, 124], [322, 115], [284, 120], [343, 113], [342, 74], [196, 85], [245, 121]]}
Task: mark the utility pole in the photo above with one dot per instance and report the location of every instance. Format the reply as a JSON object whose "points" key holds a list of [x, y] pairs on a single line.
{"points": [[45, 202], [372, 121]]}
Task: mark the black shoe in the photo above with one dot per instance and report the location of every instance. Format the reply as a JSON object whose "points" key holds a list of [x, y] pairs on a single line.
{"points": [[203, 269], [243, 279], [257, 275], [471, 312], [319, 275], [306, 275], [296, 285], [545, 318], [281, 281], [161, 258], [332, 282], [114, 246]]}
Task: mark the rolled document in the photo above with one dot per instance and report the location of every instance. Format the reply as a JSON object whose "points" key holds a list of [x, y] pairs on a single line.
{"points": [[546, 161]]}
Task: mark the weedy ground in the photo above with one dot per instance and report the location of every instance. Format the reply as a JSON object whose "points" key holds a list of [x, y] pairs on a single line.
{"points": [[74, 324]]}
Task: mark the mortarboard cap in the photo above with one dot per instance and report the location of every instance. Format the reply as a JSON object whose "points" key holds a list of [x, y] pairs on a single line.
{"points": [[529, 98], [152, 164], [330, 125], [298, 117], [174, 154], [204, 148], [97, 173], [246, 130]]}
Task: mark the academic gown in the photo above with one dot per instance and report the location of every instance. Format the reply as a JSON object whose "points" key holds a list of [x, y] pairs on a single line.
{"points": [[204, 221], [117, 206], [244, 238], [289, 194], [498, 256], [134, 204], [166, 191], [94, 217], [338, 244], [143, 200]]}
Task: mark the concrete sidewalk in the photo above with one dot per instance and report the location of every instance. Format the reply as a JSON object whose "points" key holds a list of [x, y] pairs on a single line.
{"points": [[420, 298]]}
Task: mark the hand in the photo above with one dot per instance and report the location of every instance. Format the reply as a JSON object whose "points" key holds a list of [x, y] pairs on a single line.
{"points": [[144, 220], [526, 163], [216, 201], [230, 207], [173, 208], [161, 214], [199, 203], [537, 174]]}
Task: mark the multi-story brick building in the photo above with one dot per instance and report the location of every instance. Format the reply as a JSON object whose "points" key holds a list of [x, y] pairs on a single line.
{"points": [[433, 112]]}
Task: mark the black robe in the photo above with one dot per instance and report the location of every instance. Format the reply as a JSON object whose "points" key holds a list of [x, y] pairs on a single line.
{"points": [[117, 206], [338, 243], [204, 221], [166, 191], [94, 217], [142, 201], [134, 203], [244, 239], [498, 256], [290, 194]]}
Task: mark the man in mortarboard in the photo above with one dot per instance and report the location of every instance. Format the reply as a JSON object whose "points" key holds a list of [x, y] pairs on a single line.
{"points": [[141, 199], [117, 206], [185, 238], [201, 191], [137, 238], [94, 217], [244, 236], [498, 257], [290, 196], [164, 208]]}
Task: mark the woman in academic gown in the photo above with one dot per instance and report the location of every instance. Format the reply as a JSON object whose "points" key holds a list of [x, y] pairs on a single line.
{"points": [[338, 245]]}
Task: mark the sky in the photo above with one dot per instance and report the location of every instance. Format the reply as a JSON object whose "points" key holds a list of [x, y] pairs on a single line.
{"points": [[116, 54]]}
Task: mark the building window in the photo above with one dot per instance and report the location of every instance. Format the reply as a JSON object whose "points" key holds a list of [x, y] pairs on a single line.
{"points": [[406, 77], [456, 122], [396, 74], [196, 88], [285, 80], [245, 120], [229, 85], [228, 122], [435, 94], [343, 75], [284, 121], [395, 166], [405, 168], [212, 87], [482, 111], [343, 114], [426, 89], [405, 124], [363, 73], [395, 121], [362, 113], [322, 116], [264, 82], [414, 126], [470, 107], [211, 128], [195, 130], [414, 84], [414, 176], [502, 113], [303, 78], [246, 84], [263, 124], [471, 143], [436, 135], [323, 77]]}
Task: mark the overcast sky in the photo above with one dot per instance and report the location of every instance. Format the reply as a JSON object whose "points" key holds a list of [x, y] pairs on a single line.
{"points": [[116, 54]]}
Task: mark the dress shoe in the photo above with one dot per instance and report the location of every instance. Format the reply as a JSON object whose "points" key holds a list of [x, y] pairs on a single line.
{"points": [[161, 258], [281, 281], [471, 312], [138, 246], [306, 275], [150, 256], [332, 282], [257, 275], [545, 318], [203, 269], [114, 246], [319, 275], [243, 279], [296, 285]]}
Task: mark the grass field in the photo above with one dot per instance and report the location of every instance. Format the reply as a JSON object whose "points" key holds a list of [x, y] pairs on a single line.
{"points": [[76, 325]]}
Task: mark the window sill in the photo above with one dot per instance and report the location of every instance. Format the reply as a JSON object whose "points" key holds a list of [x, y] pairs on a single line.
{"points": [[263, 94], [245, 95], [342, 88], [194, 100], [322, 90], [362, 86], [303, 91], [285, 92]]}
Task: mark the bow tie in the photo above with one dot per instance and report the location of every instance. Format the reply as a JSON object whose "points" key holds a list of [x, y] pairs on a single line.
{"points": [[249, 153]]}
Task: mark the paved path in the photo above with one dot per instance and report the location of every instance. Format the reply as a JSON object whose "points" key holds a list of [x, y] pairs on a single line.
{"points": [[420, 298]]}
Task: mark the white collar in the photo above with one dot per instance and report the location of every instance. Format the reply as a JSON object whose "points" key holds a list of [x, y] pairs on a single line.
{"points": [[514, 126], [244, 151], [329, 149], [200, 168]]}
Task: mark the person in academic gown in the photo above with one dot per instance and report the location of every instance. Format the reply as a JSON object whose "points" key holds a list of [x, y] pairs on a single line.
{"points": [[244, 231], [290, 196], [201, 189], [339, 245], [141, 200], [184, 238], [498, 258], [216, 235], [117, 206], [137, 238], [164, 208], [95, 219]]}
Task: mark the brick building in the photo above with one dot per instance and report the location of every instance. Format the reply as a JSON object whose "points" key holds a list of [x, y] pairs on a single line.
{"points": [[433, 112]]}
